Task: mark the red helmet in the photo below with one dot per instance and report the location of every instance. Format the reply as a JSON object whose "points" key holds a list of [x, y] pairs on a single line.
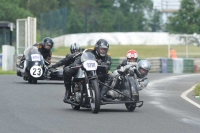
{"points": [[132, 54]]}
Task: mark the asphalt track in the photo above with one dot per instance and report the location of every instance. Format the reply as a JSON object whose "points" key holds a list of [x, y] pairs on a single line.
{"points": [[30, 108]]}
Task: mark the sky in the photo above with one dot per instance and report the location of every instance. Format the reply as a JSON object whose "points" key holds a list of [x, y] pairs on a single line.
{"points": [[167, 4]]}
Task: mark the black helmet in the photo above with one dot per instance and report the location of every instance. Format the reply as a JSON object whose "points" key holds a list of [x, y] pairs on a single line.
{"points": [[47, 43], [75, 48], [143, 68], [101, 44]]}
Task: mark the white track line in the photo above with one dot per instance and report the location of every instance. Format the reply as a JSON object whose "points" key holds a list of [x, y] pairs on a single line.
{"points": [[184, 96]]}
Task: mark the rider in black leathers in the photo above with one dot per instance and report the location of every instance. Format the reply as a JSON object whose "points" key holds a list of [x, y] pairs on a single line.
{"points": [[69, 59], [100, 51], [75, 50], [44, 48]]}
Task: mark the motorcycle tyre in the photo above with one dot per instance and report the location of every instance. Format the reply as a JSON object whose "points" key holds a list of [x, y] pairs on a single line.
{"points": [[32, 81], [95, 96], [130, 107], [75, 107]]}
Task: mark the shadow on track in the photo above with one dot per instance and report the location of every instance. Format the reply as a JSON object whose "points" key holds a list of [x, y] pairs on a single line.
{"points": [[40, 83], [85, 110]]}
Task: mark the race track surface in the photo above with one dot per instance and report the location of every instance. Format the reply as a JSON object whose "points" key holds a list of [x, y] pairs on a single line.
{"points": [[38, 108]]}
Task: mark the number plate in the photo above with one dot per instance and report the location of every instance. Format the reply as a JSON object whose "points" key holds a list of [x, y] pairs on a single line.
{"points": [[36, 71], [90, 65], [35, 57]]}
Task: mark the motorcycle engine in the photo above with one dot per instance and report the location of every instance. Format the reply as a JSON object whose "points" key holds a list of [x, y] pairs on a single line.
{"points": [[77, 92]]}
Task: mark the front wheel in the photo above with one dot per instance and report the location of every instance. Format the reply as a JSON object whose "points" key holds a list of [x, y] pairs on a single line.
{"points": [[130, 107], [95, 96], [75, 107], [32, 81]]}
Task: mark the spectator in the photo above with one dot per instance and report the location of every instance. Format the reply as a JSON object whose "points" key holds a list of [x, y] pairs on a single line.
{"points": [[173, 53]]}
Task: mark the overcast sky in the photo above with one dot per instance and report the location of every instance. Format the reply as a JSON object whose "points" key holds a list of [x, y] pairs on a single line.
{"points": [[167, 4]]}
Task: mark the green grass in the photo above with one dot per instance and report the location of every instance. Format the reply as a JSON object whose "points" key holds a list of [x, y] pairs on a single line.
{"points": [[197, 90], [6, 72], [145, 51]]}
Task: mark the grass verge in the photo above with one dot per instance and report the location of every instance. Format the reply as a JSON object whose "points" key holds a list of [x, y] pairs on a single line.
{"points": [[197, 90], [145, 51], [7, 72]]}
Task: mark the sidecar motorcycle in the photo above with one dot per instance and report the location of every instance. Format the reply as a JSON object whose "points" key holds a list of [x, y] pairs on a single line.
{"points": [[125, 90], [34, 68]]}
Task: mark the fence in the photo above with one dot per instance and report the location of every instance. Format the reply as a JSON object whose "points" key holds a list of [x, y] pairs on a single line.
{"points": [[53, 23], [93, 19]]}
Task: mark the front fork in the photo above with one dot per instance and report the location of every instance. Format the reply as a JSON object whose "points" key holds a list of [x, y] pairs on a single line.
{"points": [[92, 75]]}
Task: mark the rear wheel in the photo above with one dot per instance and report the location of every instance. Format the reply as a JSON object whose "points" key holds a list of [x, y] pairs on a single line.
{"points": [[130, 106], [95, 96]]}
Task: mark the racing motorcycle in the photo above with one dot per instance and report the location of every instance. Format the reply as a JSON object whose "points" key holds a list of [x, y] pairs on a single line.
{"points": [[124, 88], [84, 86], [34, 68]]}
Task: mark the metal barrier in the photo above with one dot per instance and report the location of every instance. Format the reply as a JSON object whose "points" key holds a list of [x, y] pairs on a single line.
{"points": [[188, 66], [157, 65], [0, 60]]}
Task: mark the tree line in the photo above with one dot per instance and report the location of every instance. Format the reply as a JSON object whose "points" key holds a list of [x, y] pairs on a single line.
{"points": [[107, 15]]}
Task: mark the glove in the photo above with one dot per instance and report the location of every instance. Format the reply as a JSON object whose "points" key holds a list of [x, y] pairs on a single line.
{"points": [[103, 63], [98, 62], [124, 69], [50, 68], [53, 66]]}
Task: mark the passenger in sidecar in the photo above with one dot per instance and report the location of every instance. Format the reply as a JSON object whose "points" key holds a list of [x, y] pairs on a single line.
{"points": [[129, 78], [141, 69]]}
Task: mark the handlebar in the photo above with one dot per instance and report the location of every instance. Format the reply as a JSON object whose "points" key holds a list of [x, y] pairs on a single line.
{"points": [[77, 66]]}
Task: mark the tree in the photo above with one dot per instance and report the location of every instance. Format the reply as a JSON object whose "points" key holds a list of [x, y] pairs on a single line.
{"points": [[155, 21], [102, 16], [39, 6], [136, 15], [186, 20], [10, 11], [75, 23]]}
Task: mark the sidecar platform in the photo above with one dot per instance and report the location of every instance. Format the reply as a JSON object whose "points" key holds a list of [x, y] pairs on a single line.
{"points": [[122, 102]]}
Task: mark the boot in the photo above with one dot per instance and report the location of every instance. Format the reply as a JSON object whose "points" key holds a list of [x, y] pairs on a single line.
{"points": [[67, 92], [103, 92]]}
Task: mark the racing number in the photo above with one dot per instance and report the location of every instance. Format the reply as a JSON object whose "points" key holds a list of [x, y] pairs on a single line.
{"points": [[35, 70], [39, 71], [91, 65]]}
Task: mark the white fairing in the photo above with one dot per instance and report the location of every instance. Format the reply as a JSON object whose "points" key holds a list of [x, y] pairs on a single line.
{"points": [[90, 65], [36, 71]]}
